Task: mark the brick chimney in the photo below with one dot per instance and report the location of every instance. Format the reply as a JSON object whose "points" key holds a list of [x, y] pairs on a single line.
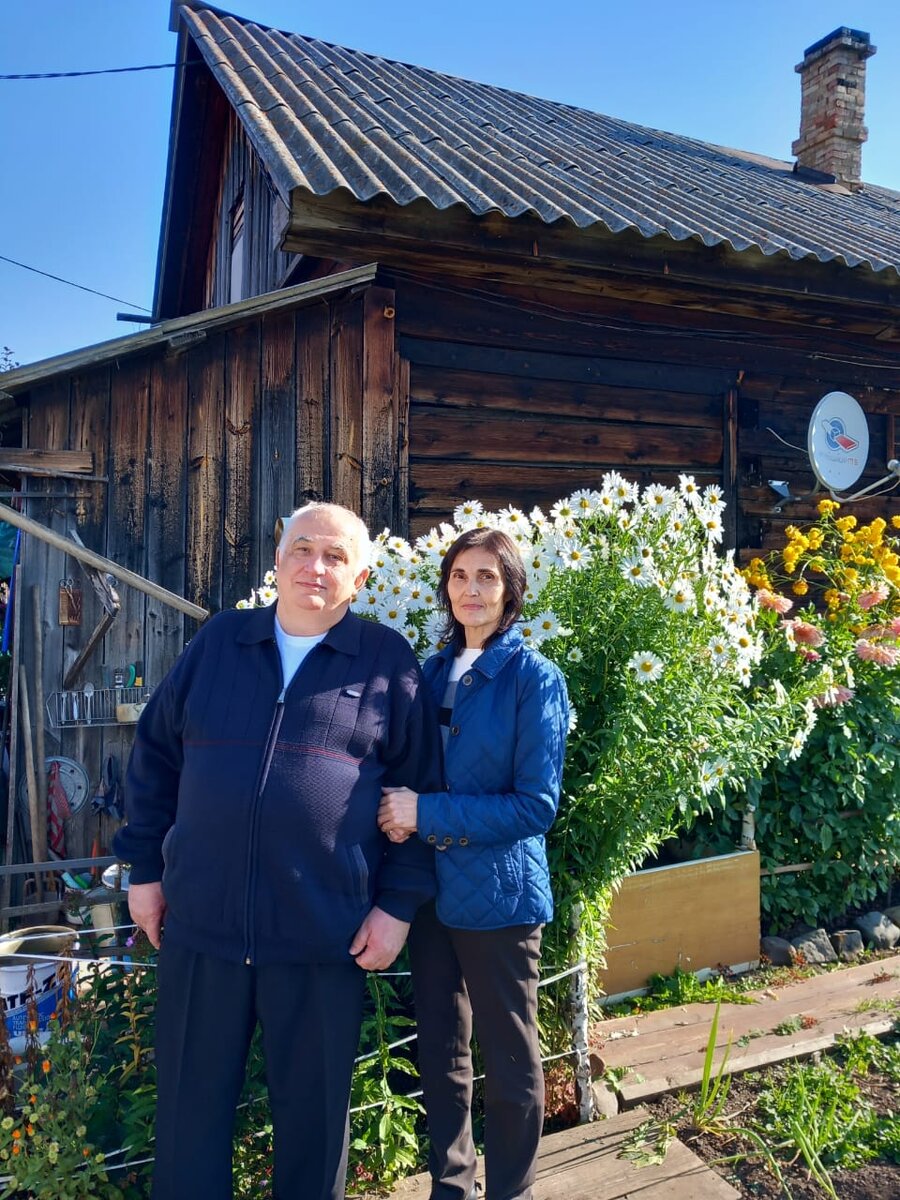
{"points": [[832, 108]]}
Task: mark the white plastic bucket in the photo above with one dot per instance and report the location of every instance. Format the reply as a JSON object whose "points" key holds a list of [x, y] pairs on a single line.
{"points": [[14, 972]]}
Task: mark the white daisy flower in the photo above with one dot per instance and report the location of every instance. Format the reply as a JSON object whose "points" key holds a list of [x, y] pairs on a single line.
{"points": [[577, 557], [607, 502], [467, 513], [411, 634], [687, 485], [547, 625], [562, 513], [637, 570], [266, 596], [720, 650], [575, 655], [647, 666], [679, 597], [584, 501], [573, 718], [658, 499], [538, 519], [269, 579], [712, 496], [622, 490], [713, 774], [712, 523]]}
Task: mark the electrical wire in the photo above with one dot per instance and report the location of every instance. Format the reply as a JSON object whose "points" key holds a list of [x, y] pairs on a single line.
{"points": [[101, 71], [81, 287]]}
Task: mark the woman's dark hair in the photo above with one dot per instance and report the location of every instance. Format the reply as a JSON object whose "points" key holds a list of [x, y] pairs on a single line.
{"points": [[512, 572]]}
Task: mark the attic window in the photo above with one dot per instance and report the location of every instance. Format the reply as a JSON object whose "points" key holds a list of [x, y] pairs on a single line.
{"points": [[236, 277]]}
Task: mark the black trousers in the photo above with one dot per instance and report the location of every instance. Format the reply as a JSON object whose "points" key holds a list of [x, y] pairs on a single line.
{"points": [[490, 977], [206, 1013]]}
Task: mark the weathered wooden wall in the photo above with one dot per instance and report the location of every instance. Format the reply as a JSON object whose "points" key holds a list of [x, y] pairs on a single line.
{"points": [[204, 450], [243, 177], [516, 399], [400, 400]]}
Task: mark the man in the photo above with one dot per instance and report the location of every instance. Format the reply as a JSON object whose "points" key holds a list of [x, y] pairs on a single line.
{"points": [[256, 860]]}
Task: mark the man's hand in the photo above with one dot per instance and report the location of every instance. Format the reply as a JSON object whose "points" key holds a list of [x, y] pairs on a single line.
{"points": [[378, 940], [398, 812], [147, 906]]}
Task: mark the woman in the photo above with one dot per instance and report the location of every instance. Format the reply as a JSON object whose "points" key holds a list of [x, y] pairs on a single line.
{"points": [[475, 952]]}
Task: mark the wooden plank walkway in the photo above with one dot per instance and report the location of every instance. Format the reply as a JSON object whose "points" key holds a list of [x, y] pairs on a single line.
{"points": [[582, 1164], [664, 1050]]}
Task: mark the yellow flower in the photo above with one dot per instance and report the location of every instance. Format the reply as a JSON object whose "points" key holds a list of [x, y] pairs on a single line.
{"points": [[845, 524], [895, 521], [826, 507], [815, 537], [800, 588], [817, 565]]}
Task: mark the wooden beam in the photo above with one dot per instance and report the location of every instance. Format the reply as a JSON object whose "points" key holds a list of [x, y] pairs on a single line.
{"points": [[68, 463], [169, 331], [83, 555], [379, 412], [96, 637], [340, 226]]}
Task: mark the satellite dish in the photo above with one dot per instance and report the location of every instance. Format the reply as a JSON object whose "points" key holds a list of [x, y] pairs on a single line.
{"points": [[838, 441]]}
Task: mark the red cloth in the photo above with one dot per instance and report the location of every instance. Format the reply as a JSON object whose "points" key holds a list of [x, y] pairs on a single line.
{"points": [[57, 811]]}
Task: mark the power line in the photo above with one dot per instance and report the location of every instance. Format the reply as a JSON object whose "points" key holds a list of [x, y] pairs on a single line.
{"points": [[81, 287], [106, 71]]}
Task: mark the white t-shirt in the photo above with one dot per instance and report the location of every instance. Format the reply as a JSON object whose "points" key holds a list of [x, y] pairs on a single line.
{"points": [[462, 662], [293, 648]]}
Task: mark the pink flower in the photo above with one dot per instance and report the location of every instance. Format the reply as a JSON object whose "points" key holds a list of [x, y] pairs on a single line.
{"points": [[868, 600], [834, 696], [768, 599], [808, 634], [885, 656], [895, 627], [811, 655]]}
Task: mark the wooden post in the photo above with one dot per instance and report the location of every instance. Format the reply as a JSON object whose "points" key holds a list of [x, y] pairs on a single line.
{"points": [[37, 850], [122, 574], [40, 751], [12, 700], [578, 1010]]}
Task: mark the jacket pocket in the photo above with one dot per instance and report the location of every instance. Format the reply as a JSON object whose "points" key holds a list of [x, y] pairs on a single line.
{"points": [[509, 868], [360, 873]]}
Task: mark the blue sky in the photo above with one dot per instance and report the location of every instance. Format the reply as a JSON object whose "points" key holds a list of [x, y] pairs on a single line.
{"points": [[82, 161]]}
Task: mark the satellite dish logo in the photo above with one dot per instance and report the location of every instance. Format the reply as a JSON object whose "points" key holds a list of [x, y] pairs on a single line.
{"points": [[836, 436]]}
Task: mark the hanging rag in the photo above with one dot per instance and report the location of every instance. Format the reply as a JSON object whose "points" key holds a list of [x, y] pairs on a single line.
{"points": [[108, 798], [57, 811]]}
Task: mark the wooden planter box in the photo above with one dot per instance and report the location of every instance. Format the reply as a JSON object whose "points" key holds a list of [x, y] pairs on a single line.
{"points": [[696, 915]]}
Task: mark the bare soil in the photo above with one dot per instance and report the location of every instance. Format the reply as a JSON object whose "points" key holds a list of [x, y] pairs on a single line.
{"points": [[877, 1180]]}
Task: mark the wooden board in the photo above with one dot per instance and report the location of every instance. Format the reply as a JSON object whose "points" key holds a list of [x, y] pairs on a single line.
{"points": [[664, 1050], [583, 1164], [693, 915]]}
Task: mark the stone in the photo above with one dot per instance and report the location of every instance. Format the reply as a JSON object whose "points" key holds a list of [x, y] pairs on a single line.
{"points": [[848, 944], [777, 950], [606, 1102], [879, 931], [893, 913], [814, 947]]}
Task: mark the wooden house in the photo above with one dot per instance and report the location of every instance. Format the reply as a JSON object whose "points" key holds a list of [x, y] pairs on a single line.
{"points": [[398, 289]]}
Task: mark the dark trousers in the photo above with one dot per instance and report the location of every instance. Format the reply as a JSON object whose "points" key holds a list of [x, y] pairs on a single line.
{"points": [[207, 1010], [491, 976]]}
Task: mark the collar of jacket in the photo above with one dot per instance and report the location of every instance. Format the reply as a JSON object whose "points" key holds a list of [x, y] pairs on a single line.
{"points": [[495, 657], [260, 627]]}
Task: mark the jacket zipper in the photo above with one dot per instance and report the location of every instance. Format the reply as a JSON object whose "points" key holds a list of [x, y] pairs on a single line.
{"points": [[249, 899]]}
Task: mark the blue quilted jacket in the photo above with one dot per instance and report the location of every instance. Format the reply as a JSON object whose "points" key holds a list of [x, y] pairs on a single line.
{"points": [[503, 770]]}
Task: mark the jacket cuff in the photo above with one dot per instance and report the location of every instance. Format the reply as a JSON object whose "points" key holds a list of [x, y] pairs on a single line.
{"points": [[402, 905]]}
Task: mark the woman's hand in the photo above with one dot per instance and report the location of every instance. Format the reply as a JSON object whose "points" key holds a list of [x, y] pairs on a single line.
{"points": [[397, 813]]}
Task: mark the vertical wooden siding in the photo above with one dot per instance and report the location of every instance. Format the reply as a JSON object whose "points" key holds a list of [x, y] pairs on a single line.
{"points": [[204, 449]]}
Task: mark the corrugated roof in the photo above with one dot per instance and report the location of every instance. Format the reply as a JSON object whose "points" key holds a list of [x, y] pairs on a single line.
{"points": [[324, 117]]}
